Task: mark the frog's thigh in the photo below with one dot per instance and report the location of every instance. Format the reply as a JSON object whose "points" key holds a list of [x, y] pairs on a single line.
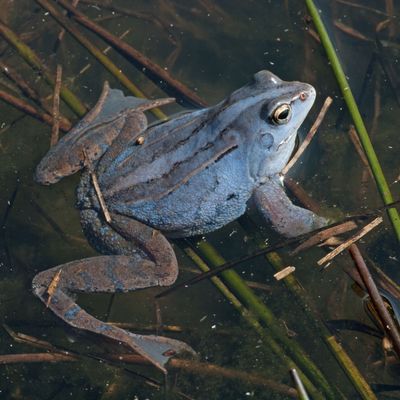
{"points": [[287, 218], [135, 124], [102, 274], [127, 236]]}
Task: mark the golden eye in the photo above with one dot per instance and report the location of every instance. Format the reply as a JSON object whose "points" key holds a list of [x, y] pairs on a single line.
{"points": [[282, 114]]}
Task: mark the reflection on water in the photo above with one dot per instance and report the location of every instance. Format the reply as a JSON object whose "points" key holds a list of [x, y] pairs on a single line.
{"points": [[213, 47]]}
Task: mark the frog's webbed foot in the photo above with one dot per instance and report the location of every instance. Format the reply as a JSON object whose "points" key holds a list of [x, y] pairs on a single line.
{"points": [[89, 139], [118, 273], [287, 218]]}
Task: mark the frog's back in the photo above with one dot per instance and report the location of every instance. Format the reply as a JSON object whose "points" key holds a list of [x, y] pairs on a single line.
{"points": [[209, 200], [188, 177], [195, 172], [170, 155]]}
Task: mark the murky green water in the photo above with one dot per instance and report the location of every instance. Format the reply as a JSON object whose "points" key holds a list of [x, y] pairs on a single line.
{"points": [[214, 47]]}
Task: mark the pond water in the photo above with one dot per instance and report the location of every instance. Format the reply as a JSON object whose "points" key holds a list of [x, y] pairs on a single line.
{"points": [[214, 48]]}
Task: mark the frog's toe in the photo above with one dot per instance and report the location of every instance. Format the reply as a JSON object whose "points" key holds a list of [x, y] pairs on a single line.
{"points": [[161, 348]]}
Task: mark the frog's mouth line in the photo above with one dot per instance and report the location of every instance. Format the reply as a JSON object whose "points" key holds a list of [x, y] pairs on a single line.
{"points": [[286, 140]]}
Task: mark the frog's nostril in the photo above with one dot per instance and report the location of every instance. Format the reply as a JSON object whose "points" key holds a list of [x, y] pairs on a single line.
{"points": [[303, 96]]}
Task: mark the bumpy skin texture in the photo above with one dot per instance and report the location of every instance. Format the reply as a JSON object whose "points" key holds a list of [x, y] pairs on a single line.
{"points": [[189, 175], [196, 172]]}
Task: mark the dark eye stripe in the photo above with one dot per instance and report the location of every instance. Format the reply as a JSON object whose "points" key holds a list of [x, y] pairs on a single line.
{"points": [[264, 113]]}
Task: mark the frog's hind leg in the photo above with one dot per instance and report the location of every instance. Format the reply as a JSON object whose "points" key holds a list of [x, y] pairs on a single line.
{"points": [[116, 273], [90, 138]]}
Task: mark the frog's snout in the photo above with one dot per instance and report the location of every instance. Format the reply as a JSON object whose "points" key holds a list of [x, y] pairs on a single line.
{"points": [[303, 96], [43, 176], [308, 93]]}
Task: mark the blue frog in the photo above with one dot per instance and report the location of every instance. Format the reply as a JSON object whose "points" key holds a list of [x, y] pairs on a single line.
{"points": [[189, 175]]}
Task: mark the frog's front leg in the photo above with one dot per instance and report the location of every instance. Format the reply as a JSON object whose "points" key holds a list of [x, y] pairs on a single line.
{"points": [[154, 264], [287, 218]]}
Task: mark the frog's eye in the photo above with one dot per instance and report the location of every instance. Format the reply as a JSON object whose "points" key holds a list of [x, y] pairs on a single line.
{"points": [[281, 114]]}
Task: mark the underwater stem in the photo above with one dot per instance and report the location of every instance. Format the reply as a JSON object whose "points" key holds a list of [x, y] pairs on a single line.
{"points": [[251, 319], [33, 60], [236, 284], [97, 53], [356, 116]]}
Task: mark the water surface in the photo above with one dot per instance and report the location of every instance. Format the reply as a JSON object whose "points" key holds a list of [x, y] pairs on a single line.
{"points": [[213, 47]]}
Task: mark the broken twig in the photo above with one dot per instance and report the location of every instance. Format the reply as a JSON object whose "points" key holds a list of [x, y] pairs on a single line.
{"points": [[324, 235], [105, 51], [363, 7], [300, 194], [367, 228], [150, 68], [53, 286], [100, 197], [358, 146], [62, 31], [96, 52], [31, 110], [28, 91], [34, 61], [208, 369], [35, 357], [56, 108], [348, 30], [22, 84], [198, 368], [283, 273], [310, 135], [387, 321]]}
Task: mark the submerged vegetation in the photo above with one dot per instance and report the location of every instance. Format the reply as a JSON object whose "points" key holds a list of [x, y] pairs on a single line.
{"points": [[248, 335]]}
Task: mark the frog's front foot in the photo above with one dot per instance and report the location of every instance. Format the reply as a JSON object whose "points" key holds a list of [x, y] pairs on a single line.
{"points": [[287, 218], [118, 273]]}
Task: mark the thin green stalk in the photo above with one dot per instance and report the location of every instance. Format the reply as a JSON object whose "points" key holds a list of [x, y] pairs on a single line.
{"points": [[301, 296], [157, 74], [356, 116], [351, 370], [97, 53], [252, 321], [236, 284], [315, 321], [33, 60]]}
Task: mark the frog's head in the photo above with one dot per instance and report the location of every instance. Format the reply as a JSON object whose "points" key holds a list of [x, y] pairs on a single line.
{"points": [[272, 112]]}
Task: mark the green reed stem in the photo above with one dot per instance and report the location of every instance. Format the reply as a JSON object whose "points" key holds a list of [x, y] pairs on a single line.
{"points": [[34, 61], [250, 300], [252, 321], [314, 320], [356, 116], [351, 370], [97, 53]]}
